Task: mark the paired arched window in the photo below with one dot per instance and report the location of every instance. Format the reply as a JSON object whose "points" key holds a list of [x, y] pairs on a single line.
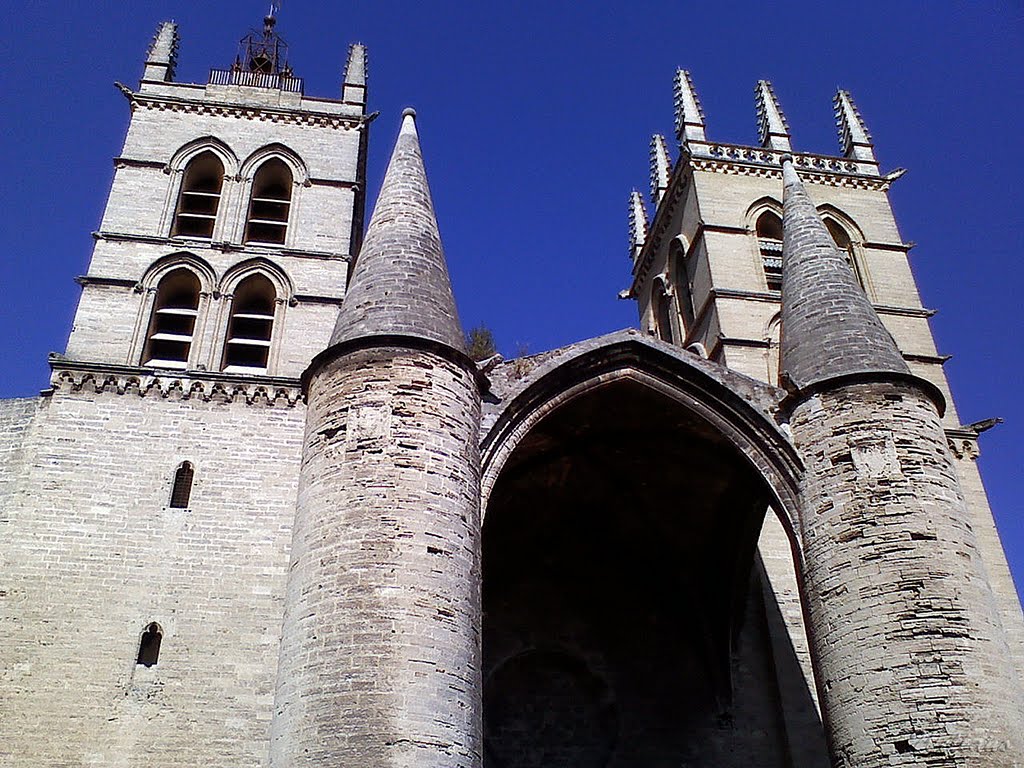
{"points": [[181, 490], [247, 349], [173, 324], [149, 646], [662, 314], [769, 243], [270, 203], [199, 197]]}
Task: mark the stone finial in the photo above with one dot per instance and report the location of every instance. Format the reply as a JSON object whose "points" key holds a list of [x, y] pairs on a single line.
{"points": [[162, 54], [661, 168], [829, 328], [689, 113], [400, 284], [637, 223], [772, 128], [354, 87], [854, 138]]}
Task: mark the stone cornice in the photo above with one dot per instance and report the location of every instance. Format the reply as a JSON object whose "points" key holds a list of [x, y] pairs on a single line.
{"points": [[295, 116], [207, 386]]}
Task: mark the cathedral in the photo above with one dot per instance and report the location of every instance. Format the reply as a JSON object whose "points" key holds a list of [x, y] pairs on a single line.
{"points": [[272, 512]]}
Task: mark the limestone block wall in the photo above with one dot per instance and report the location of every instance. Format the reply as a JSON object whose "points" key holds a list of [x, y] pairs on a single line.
{"points": [[91, 553], [380, 656], [910, 648]]}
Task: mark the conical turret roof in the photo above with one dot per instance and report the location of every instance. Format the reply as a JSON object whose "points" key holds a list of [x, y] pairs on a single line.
{"points": [[829, 328], [400, 285]]}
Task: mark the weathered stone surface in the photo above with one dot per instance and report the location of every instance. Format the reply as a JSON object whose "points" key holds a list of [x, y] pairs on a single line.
{"points": [[380, 656], [911, 655]]}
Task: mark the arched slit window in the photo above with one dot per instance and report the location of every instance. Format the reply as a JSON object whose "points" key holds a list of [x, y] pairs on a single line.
{"points": [[173, 324], [251, 327], [149, 645], [844, 244], [681, 283], [662, 315], [270, 203], [181, 491], [199, 198], [769, 243]]}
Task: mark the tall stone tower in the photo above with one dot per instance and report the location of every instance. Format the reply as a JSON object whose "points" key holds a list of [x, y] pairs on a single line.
{"points": [[915, 630], [170, 440]]}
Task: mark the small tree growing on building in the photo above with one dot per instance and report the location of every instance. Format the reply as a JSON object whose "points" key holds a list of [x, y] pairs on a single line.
{"points": [[480, 342]]}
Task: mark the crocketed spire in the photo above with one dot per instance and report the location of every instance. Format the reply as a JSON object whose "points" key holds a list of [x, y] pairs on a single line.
{"points": [[829, 327], [400, 284]]}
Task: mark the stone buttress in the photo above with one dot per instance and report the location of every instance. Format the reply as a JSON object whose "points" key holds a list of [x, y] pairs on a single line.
{"points": [[911, 659], [380, 656]]}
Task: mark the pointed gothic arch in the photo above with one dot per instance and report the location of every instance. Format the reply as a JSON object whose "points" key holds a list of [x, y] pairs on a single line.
{"points": [[720, 397], [186, 152], [294, 161], [625, 483]]}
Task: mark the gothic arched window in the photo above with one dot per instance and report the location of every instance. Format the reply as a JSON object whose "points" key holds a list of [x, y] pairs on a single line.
{"points": [[251, 327], [270, 203], [171, 328], [149, 646], [199, 198], [769, 243], [181, 490], [662, 315]]}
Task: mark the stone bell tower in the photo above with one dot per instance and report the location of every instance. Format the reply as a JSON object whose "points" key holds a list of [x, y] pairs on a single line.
{"points": [[914, 629]]}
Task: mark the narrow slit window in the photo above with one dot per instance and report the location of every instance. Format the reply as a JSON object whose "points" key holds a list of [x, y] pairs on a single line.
{"points": [[251, 327], [769, 243], [270, 204], [149, 646], [181, 491], [199, 198], [171, 329], [662, 315]]}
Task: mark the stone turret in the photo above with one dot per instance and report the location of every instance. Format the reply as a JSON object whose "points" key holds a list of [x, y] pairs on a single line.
{"points": [[772, 128], [162, 54], [380, 655], [854, 138], [661, 168], [353, 87], [637, 223], [689, 114], [911, 661]]}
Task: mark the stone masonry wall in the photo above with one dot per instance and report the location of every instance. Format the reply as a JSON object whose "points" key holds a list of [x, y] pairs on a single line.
{"points": [[380, 657], [911, 657], [91, 554]]}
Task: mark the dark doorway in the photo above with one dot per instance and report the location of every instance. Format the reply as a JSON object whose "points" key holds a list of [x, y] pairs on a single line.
{"points": [[617, 572]]}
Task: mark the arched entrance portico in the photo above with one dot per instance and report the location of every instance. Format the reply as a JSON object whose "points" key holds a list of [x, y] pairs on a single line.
{"points": [[625, 487]]}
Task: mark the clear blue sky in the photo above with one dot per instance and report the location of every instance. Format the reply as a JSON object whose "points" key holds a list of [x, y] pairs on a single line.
{"points": [[535, 119]]}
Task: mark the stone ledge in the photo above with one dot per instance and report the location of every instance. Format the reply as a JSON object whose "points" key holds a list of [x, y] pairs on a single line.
{"points": [[75, 376]]}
